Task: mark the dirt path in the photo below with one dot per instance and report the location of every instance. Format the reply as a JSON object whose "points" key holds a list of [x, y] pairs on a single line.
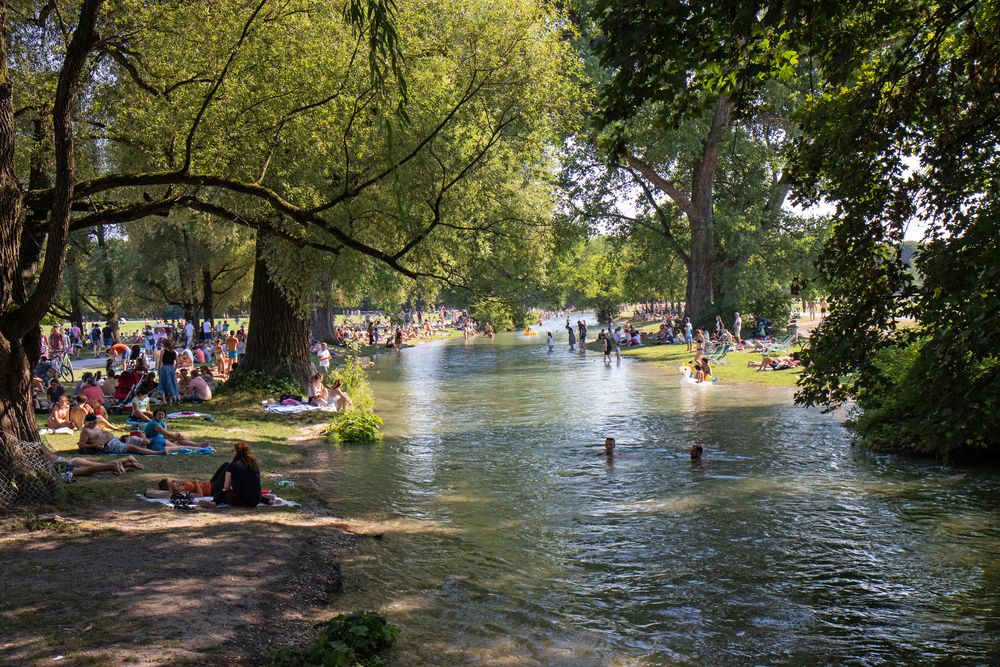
{"points": [[142, 585]]}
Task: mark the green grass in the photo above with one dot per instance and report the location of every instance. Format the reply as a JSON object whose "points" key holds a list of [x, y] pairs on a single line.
{"points": [[239, 417], [736, 373]]}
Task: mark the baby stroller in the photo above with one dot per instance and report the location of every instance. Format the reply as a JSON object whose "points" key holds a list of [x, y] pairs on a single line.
{"points": [[125, 391]]}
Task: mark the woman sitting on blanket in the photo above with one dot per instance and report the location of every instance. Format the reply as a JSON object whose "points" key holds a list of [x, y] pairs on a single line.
{"points": [[241, 481], [318, 394], [156, 431]]}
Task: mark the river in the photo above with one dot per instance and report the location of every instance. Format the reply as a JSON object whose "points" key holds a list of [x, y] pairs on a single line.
{"points": [[510, 541]]}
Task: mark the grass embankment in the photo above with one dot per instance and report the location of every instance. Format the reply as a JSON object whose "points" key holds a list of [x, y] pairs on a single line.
{"points": [[238, 417], [736, 372]]}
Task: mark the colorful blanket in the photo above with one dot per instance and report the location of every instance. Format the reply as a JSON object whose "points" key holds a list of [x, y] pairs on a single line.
{"points": [[277, 502], [281, 409]]}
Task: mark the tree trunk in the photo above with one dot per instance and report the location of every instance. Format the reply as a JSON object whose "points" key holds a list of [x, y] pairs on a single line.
{"points": [[321, 323], [208, 294], [278, 339], [111, 313]]}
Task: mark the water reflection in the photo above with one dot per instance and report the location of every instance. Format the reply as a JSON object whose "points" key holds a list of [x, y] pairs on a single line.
{"points": [[510, 541]]}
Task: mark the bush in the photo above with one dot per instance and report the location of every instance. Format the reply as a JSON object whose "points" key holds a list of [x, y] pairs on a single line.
{"points": [[345, 641], [354, 379], [499, 314], [361, 427], [256, 382], [918, 405]]}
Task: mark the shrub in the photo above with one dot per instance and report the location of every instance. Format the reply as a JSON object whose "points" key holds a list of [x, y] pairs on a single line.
{"points": [[362, 427], [344, 641], [499, 314], [354, 379], [256, 382], [917, 404]]}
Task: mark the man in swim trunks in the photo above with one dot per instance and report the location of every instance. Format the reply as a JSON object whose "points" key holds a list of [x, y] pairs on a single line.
{"points": [[99, 441]]}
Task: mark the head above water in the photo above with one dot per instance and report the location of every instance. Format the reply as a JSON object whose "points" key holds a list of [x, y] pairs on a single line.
{"points": [[609, 445], [696, 452]]}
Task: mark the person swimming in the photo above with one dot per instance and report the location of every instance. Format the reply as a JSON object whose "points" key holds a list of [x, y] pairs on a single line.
{"points": [[609, 448], [696, 452]]}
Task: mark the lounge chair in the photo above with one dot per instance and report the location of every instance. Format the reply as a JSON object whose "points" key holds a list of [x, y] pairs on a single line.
{"points": [[720, 354]]}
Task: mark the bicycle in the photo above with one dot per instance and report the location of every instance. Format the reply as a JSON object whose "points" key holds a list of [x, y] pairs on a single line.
{"points": [[63, 363]]}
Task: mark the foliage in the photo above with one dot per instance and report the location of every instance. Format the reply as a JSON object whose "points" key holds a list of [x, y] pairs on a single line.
{"points": [[259, 384], [499, 314], [914, 96], [344, 641], [901, 409], [354, 379], [357, 426]]}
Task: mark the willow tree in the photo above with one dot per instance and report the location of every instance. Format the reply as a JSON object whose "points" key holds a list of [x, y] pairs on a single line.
{"points": [[264, 115]]}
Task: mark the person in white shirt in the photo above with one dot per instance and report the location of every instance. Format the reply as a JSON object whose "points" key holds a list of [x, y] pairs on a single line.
{"points": [[323, 356], [206, 330], [189, 332], [737, 326]]}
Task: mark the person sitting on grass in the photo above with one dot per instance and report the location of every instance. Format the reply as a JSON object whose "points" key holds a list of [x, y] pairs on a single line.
{"points": [[78, 415], [99, 441], [91, 392], [84, 467], [241, 484], [140, 406], [197, 390], [339, 398], [60, 414], [156, 431], [317, 391]]}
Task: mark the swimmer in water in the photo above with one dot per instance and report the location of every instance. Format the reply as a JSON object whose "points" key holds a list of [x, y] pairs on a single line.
{"points": [[696, 452], [609, 448]]}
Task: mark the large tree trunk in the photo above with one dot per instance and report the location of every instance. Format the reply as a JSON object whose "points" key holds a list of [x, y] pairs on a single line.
{"points": [[698, 296], [111, 313], [20, 312], [208, 294], [321, 323], [278, 339]]}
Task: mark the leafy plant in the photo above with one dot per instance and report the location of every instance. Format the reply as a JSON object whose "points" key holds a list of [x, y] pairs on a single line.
{"points": [[344, 641], [354, 379], [259, 383], [355, 427]]}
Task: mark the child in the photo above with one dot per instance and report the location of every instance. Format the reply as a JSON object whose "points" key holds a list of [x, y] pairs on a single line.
{"points": [[140, 406], [323, 356], [182, 383]]}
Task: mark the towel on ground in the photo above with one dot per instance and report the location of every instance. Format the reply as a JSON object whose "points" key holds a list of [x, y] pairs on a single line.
{"points": [[277, 502], [280, 409], [187, 414]]}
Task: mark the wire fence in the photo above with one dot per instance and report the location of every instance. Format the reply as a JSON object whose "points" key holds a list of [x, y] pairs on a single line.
{"points": [[27, 475]]}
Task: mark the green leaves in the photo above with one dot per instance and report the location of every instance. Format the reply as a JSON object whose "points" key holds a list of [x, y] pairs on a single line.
{"points": [[345, 641]]}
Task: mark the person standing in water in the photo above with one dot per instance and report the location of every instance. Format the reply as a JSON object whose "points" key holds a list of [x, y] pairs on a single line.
{"points": [[583, 333], [488, 330], [550, 341], [606, 343], [572, 336]]}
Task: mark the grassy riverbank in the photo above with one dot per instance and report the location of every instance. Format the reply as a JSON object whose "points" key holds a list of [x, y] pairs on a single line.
{"points": [[737, 372], [104, 578]]}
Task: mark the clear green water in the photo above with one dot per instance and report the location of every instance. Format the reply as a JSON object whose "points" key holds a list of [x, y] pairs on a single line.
{"points": [[508, 540]]}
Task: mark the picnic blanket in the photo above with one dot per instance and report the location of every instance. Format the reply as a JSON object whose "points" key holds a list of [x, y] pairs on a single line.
{"points": [[187, 414], [281, 409], [277, 502], [63, 430]]}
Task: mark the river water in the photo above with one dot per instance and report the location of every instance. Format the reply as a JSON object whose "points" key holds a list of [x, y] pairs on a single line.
{"points": [[510, 541]]}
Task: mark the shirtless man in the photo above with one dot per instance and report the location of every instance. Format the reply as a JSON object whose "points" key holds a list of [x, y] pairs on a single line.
{"points": [[95, 439]]}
